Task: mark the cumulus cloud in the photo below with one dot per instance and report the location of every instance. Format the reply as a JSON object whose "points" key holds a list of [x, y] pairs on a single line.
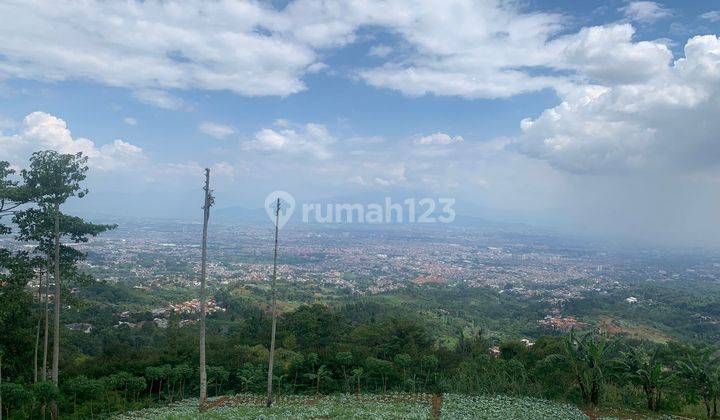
{"points": [[313, 139], [663, 122], [130, 121], [608, 54], [116, 168], [219, 131], [41, 131], [645, 11]]}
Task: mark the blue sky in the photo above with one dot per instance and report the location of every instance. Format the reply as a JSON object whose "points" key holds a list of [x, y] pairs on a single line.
{"points": [[593, 116]]}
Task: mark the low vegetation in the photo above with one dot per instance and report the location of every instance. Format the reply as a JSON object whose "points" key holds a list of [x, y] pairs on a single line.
{"points": [[366, 406]]}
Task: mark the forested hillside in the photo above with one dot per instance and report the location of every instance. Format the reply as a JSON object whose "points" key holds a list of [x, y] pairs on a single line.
{"points": [[84, 348]]}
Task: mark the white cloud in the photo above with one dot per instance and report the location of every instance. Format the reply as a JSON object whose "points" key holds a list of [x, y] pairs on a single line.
{"points": [[645, 11], [222, 45], [438, 138], [380, 50], [663, 123], [607, 54], [219, 131], [42, 131], [313, 139], [464, 48], [130, 121], [712, 16], [316, 68], [454, 47], [158, 98]]}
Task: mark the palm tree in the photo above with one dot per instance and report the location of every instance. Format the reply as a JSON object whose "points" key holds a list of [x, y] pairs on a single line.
{"points": [[321, 374], [589, 359], [644, 369], [357, 375], [702, 376]]}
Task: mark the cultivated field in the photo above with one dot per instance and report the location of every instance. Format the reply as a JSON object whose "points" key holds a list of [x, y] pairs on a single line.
{"points": [[365, 406]]}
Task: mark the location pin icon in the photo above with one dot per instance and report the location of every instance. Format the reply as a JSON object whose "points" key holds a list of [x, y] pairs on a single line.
{"points": [[287, 206]]}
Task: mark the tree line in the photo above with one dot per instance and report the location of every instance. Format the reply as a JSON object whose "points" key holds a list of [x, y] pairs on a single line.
{"points": [[325, 350], [34, 205]]}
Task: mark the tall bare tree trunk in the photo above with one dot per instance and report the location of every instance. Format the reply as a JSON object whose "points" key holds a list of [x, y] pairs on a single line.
{"points": [[37, 346], [47, 326], [203, 275], [37, 333], [273, 308], [56, 326], [1, 387]]}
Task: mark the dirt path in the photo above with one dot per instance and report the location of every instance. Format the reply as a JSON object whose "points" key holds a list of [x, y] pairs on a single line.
{"points": [[436, 406]]}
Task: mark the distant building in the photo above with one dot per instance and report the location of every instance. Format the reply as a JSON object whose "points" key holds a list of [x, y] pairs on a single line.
{"points": [[158, 312], [563, 324], [631, 299]]}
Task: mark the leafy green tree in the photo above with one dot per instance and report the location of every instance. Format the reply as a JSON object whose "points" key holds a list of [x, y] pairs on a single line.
{"points": [[344, 359], [121, 382], [50, 181], [45, 392], [217, 377], [357, 376], [403, 361], [380, 369], [251, 376], [12, 195], [179, 375], [82, 388], [15, 398], [428, 364], [16, 318], [316, 328], [158, 374], [135, 386], [292, 364], [513, 350]]}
